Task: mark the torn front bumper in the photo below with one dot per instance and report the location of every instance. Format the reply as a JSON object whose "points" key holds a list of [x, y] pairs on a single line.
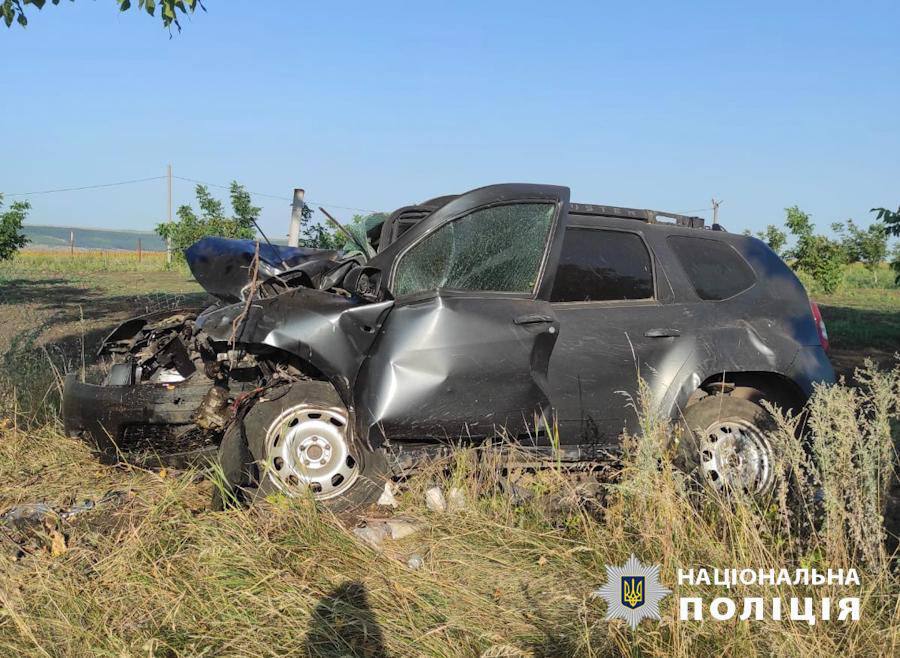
{"points": [[144, 418]]}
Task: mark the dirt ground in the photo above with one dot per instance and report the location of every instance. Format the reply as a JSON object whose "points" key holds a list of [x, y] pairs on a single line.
{"points": [[69, 315]]}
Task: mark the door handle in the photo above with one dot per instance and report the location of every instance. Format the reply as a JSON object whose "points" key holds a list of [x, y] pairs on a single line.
{"points": [[662, 333], [533, 319]]}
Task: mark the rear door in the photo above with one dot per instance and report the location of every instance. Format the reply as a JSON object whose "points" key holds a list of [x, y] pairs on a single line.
{"points": [[465, 350], [617, 323]]}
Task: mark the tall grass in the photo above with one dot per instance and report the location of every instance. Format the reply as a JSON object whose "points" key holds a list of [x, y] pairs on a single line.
{"points": [[510, 574]]}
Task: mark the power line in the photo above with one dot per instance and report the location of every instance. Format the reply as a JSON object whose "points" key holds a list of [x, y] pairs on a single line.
{"points": [[228, 187], [182, 178], [85, 187], [275, 196]]}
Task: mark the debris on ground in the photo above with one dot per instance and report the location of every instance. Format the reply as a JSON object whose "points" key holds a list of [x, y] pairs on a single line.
{"points": [[435, 501], [31, 527], [375, 531], [456, 499], [388, 497]]}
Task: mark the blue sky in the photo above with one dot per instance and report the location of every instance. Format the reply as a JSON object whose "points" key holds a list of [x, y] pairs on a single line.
{"points": [[376, 105]]}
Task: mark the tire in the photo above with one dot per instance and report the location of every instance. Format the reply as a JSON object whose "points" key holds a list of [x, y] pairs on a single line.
{"points": [[237, 470], [261, 453], [726, 446]]}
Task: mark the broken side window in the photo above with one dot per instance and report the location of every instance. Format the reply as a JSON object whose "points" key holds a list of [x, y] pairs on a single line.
{"points": [[493, 249]]}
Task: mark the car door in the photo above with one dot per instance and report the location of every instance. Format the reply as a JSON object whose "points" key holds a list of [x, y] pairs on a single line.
{"points": [[464, 351], [617, 323]]}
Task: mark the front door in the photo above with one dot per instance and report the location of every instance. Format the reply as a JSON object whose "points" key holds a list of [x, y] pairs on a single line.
{"points": [[465, 350]]}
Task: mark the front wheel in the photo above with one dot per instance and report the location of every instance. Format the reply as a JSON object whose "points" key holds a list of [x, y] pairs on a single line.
{"points": [[299, 441], [727, 445]]}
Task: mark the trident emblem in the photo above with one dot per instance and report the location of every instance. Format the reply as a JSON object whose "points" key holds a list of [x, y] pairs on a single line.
{"points": [[633, 591]]}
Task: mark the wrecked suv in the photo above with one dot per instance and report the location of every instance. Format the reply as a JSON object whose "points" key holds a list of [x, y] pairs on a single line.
{"points": [[506, 310]]}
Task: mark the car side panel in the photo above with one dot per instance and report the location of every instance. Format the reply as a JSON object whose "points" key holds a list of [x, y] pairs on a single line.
{"points": [[453, 367], [765, 329]]}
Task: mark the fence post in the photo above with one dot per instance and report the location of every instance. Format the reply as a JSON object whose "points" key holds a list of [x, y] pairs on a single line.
{"points": [[139, 250], [71, 244]]}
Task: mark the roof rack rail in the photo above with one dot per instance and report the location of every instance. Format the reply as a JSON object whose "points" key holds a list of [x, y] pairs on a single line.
{"points": [[643, 215]]}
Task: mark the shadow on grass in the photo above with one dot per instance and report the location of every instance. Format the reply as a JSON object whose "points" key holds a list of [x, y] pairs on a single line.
{"points": [[54, 325], [856, 334], [856, 328], [343, 624]]}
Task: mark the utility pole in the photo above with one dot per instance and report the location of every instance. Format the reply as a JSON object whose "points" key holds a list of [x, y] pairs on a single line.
{"points": [[297, 206], [715, 209], [169, 239]]}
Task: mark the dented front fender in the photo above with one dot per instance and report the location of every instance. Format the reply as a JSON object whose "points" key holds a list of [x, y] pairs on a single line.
{"points": [[331, 332]]}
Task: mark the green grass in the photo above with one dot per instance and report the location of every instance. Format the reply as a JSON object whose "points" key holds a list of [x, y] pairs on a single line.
{"points": [[41, 261], [864, 313]]}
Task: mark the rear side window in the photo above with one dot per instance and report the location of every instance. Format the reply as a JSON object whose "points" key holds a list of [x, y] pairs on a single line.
{"points": [[597, 265], [714, 268]]}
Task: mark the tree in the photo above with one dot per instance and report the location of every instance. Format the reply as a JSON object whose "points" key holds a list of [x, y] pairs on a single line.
{"points": [[321, 236], [867, 246], [798, 222], [212, 219], [891, 220], [774, 237], [14, 10], [11, 237], [895, 263], [820, 257]]}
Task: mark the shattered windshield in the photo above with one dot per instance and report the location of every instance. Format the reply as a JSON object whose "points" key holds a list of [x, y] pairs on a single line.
{"points": [[493, 249]]}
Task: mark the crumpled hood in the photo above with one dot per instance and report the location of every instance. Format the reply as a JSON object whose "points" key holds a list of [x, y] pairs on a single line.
{"points": [[222, 265]]}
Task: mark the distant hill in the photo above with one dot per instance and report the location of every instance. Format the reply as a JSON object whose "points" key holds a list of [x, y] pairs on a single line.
{"points": [[55, 237]]}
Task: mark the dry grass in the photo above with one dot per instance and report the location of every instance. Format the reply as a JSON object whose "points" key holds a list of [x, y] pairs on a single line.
{"points": [[161, 575]]}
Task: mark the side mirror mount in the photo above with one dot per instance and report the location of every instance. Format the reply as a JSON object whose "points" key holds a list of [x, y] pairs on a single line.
{"points": [[365, 282]]}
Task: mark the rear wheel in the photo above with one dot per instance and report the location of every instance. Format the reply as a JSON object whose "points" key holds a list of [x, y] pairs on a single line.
{"points": [[727, 445], [299, 441]]}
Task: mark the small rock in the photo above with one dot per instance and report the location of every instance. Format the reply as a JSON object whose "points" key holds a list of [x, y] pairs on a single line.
{"points": [[387, 498], [435, 501], [456, 499], [415, 562]]}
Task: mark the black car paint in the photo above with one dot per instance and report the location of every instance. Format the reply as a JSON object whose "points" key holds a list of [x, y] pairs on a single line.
{"points": [[426, 367]]}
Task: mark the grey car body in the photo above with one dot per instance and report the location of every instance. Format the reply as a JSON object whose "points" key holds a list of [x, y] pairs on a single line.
{"points": [[505, 308]]}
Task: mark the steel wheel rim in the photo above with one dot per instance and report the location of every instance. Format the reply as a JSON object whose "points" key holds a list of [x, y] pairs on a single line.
{"points": [[307, 450], [736, 456]]}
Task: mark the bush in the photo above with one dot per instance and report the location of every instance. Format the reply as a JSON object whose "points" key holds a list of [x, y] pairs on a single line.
{"points": [[820, 257], [11, 237]]}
